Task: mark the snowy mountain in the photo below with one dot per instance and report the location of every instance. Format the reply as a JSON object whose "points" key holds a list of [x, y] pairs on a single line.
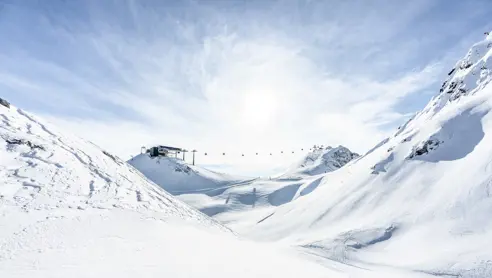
{"points": [[41, 169], [416, 205], [178, 177], [419, 202], [71, 209], [248, 197], [322, 160], [215, 193]]}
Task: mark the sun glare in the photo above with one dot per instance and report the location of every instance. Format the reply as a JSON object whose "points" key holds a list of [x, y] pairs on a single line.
{"points": [[258, 109]]}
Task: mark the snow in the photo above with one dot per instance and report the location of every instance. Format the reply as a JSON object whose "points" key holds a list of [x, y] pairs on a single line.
{"points": [[177, 177], [222, 196], [68, 172], [429, 213], [420, 201], [71, 209], [128, 244]]}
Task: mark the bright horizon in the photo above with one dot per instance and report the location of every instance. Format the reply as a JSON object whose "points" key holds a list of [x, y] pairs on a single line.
{"points": [[236, 78]]}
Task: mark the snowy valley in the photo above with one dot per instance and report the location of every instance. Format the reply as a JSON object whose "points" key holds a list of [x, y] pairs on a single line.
{"points": [[416, 205], [71, 209]]}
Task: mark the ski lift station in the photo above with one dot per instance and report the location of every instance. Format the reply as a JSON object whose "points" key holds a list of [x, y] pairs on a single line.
{"points": [[165, 151]]}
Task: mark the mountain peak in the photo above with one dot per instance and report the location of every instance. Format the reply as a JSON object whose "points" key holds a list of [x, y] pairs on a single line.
{"points": [[470, 74], [322, 160]]}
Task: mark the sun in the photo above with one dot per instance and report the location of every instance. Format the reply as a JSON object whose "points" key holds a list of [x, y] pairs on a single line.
{"points": [[258, 109]]}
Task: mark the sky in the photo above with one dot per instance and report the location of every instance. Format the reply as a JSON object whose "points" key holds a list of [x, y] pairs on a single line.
{"points": [[233, 77]]}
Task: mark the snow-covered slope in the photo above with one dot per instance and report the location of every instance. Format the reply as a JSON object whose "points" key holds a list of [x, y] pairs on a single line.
{"points": [[242, 203], [178, 177], [41, 169], [420, 201], [416, 205], [70, 209]]}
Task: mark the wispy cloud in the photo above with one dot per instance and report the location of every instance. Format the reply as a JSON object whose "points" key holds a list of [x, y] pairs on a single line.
{"points": [[236, 77]]}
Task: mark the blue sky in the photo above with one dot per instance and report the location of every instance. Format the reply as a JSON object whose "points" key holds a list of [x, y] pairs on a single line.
{"points": [[232, 76]]}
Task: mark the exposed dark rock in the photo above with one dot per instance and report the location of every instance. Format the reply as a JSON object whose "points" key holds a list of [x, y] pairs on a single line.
{"points": [[114, 158], [183, 168], [465, 65], [425, 148], [4, 103], [443, 86], [342, 157], [24, 142], [407, 139]]}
